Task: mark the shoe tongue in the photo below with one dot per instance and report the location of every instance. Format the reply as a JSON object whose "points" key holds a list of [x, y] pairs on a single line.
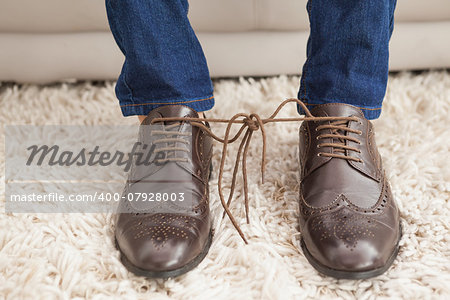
{"points": [[171, 111], [336, 110]]}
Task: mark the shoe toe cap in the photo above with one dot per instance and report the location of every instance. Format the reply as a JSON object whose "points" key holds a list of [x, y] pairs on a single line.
{"points": [[361, 257], [159, 256], [158, 249], [354, 244]]}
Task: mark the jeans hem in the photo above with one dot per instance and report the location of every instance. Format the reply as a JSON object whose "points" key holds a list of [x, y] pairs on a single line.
{"points": [[144, 108], [370, 112]]}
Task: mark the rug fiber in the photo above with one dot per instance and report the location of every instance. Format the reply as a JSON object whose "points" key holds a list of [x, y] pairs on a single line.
{"points": [[62, 256]]}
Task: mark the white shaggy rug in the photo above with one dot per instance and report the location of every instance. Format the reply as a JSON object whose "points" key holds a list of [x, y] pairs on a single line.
{"points": [[62, 256]]}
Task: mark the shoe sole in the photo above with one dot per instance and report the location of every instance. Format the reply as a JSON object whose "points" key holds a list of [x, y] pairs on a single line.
{"points": [[170, 273], [349, 274]]}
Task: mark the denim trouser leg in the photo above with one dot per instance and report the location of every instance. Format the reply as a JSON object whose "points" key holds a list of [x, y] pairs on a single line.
{"points": [[164, 62], [348, 53]]}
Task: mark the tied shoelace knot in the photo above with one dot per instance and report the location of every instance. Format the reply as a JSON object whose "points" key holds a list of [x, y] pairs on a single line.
{"points": [[251, 123]]}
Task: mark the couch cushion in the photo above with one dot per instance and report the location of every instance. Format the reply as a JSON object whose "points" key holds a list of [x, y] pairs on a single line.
{"points": [[291, 14], [206, 15], [52, 16]]}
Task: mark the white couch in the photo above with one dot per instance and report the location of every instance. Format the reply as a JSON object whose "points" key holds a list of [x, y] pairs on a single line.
{"points": [[51, 40]]}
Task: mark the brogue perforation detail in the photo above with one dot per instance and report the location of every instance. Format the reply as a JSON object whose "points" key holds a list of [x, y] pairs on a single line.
{"points": [[159, 228], [344, 226], [341, 200]]}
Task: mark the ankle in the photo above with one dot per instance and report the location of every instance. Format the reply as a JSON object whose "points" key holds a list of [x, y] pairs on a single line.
{"points": [[141, 118]]}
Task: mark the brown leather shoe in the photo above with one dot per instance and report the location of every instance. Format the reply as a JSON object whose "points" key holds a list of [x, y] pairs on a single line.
{"points": [[348, 218], [168, 233]]}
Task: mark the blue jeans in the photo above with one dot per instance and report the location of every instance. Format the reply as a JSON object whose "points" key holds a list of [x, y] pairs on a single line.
{"points": [[347, 55]]}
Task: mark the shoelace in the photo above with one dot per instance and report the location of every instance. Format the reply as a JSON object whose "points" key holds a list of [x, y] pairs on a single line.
{"points": [[171, 148], [336, 127], [253, 122]]}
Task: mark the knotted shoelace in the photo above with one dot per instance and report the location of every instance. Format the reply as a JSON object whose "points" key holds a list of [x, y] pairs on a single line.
{"points": [[253, 122]]}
